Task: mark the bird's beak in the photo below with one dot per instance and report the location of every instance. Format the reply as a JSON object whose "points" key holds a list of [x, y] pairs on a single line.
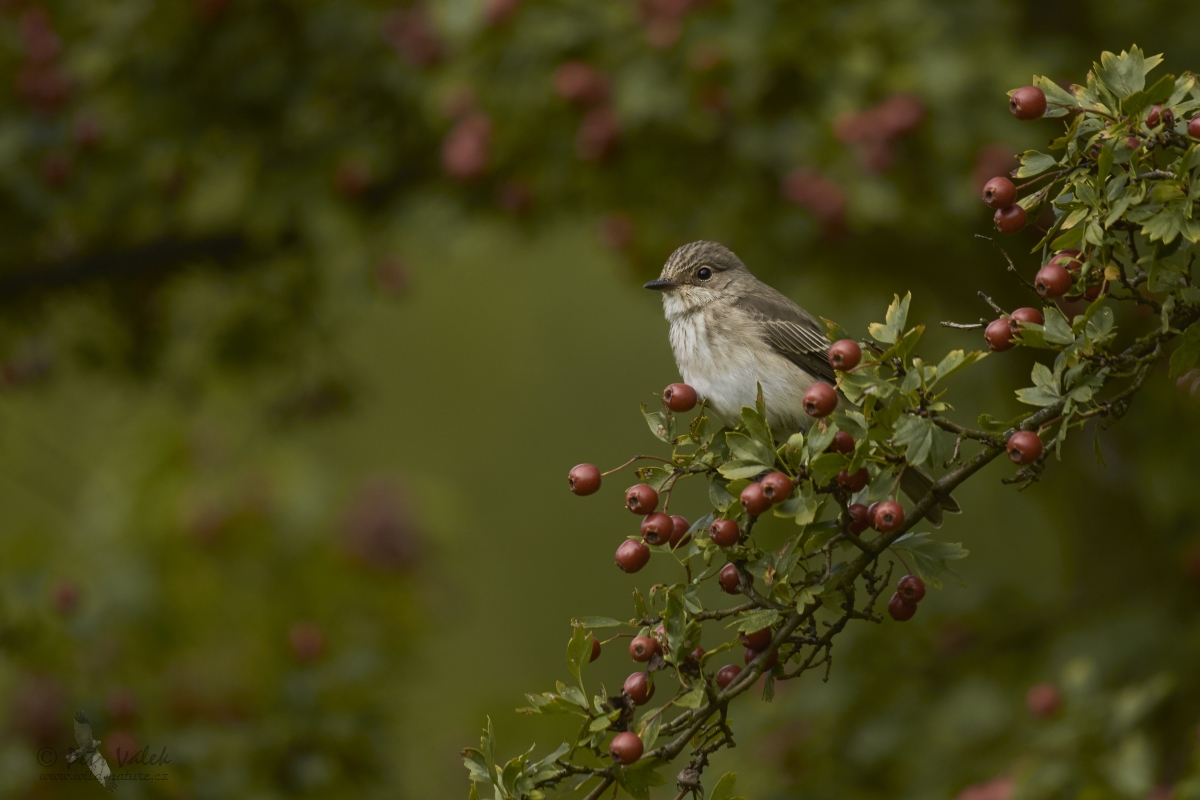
{"points": [[661, 285]]}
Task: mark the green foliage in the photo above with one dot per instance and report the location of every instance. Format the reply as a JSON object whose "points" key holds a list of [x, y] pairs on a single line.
{"points": [[824, 575]]}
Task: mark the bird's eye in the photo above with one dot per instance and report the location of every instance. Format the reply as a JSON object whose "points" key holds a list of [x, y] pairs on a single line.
{"points": [[704, 273]]}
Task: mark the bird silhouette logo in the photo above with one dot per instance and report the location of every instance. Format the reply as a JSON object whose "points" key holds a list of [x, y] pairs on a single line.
{"points": [[89, 753]]}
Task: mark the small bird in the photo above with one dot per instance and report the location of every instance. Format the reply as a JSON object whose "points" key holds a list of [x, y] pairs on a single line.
{"points": [[731, 332], [89, 753]]}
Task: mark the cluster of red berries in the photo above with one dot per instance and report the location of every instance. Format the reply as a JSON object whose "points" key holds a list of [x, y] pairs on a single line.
{"points": [[1001, 334], [885, 516], [1026, 103], [756, 499], [909, 591], [821, 399], [587, 87], [657, 528]]}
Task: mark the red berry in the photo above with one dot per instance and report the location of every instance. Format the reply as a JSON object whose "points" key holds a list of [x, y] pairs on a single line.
{"points": [[584, 479], [753, 499], [842, 443], [679, 397], [727, 673], [641, 499], [642, 648], [1029, 315], [820, 400], [1024, 447], [1043, 700], [999, 193], [755, 640], [657, 528], [596, 648], [855, 481], [729, 579], [724, 533], [1028, 102], [999, 335], [1154, 116], [1052, 281], [752, 653], [1194, 127], [845, 354], [900, 609], [776, 487], [1093, 292], [694, 657], [632, 555], [889, 516], [859, 520], [1009, 220], [639, 688], [626, 748], [679, 529], [911, 588]]}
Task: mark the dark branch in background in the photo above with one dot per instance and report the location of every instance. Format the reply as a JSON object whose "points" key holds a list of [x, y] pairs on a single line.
{"points": [[158, 258]]}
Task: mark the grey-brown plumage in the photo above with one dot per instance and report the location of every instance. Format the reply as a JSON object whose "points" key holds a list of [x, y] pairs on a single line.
{"points": [[90, 754], [730, 332]]}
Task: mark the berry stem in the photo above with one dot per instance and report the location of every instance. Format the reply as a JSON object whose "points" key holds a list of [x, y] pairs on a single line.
{"points": [[630, 461], [896, 553], [896, 483]]}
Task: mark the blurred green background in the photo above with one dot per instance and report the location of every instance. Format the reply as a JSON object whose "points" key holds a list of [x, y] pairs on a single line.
{"points": [[307, 307]]}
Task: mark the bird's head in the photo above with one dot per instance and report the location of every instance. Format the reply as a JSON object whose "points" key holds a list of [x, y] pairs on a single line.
{"points": [[698, 274]]}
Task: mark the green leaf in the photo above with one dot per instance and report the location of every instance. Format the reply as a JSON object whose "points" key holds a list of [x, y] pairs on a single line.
{"points": [[897, 314], [579, 652], [1071, 238], [725, 787], [1046, 389], [1055, 94], [1034, 163], [1123, 74], [802, 508], [1188, 352], [834, 331], [718, 497], [596, 622], [599, 724], [755, 422], [693, 699], [744, 448], [1057, 328], [756, 620], [649, 732], [915, 434], [932, 559], [1159, 92], [956, 360], [662, 424], [738, 470]]}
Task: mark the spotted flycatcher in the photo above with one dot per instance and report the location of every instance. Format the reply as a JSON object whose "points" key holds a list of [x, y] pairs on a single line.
{"points": [[731, 333]]}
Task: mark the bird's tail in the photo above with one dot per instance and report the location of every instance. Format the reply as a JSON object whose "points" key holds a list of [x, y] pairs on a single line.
{"points": [[916, 483]]}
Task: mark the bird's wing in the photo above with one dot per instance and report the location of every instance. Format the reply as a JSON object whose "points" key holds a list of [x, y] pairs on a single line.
{"points": [[83, 730], [100, 769], [791, 331]]}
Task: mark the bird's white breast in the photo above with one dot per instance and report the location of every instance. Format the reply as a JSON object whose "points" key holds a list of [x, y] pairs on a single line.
{"points": [[725, 359]]}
